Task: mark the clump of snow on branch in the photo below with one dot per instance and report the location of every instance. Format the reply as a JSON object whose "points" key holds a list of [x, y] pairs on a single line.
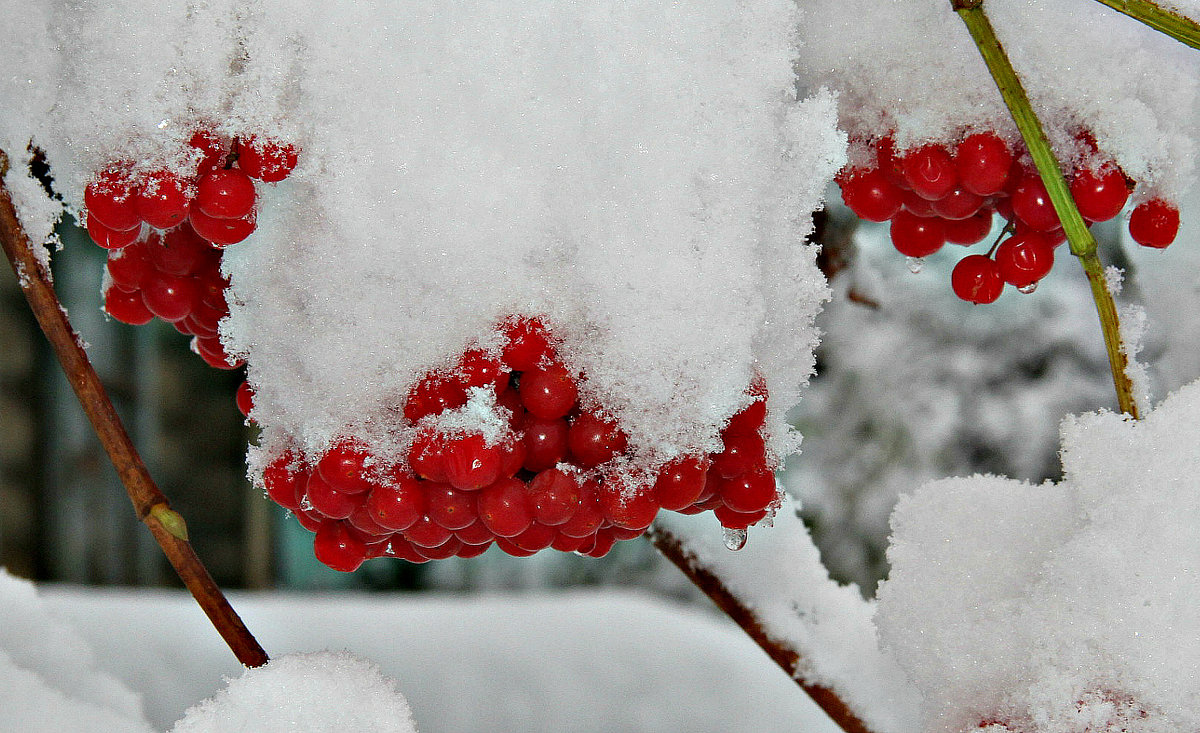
{"points": [[911, 68], [315, 693], [1046, 607]]}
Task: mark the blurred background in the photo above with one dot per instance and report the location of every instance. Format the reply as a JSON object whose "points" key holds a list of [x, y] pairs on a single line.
{"points": [[912, 384]]}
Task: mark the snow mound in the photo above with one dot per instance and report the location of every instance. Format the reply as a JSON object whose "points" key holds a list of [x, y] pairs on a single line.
{"points": [[1061, 606], [52, 679], [321, 692]]}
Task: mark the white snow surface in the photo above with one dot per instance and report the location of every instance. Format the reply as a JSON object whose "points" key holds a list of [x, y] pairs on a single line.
{"points": [[639, 174], [1061, 606], [910, 67]]}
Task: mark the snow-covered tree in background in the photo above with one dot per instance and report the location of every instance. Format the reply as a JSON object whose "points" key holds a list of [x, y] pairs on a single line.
{"points": [[441, 232]]}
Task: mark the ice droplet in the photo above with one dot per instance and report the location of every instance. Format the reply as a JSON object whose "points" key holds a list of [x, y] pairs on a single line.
{"points": [[915, 264], [735, 539], [1027, 289]]}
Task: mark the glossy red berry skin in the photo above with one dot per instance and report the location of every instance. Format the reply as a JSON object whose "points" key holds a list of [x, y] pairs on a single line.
{"points": [[548, 392], [336, 546], [527, 344], [681, 482], [743, 452], [732, 519], [433, 395], [344, 466], [327, 500], [129, 267], [1154, 223], [545, 443], [108, 238], [284, 482], [470, 463], [127, 307], [425, 532], [170, 297], [225, 194], [749, 492], [1031, 204], [162, 200], [449, 507], [213, 152], [181, 252], [1024, 259], [870, 195], [588, 518], [958, 204], [970, 230], [222, 232], [555, 496], [982, 161], [266, 160], [1100, 195], [917, 236], [397, 503], [976, 279], [593, 440], [626, 506], [929, 171], [245, 399], [504, 508], [427, 457], [110, 199]]}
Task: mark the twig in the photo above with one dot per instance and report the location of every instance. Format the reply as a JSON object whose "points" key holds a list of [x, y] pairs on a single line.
{"points": [[786, 657], [1184, 30], [1082, 243], [167, 526]]}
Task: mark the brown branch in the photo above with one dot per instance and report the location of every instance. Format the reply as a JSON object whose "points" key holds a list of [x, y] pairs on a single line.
{"points": [[151, 505], [786, 657]]}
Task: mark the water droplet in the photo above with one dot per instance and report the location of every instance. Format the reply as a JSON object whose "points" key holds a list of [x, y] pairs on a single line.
{"points": [[915, 264], [735, 539], [1027, 289]]}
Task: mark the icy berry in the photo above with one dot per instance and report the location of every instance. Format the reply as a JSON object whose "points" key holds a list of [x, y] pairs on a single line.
{"points": [[593, 440], [245, 399], [433, 395], [743, 452], [427, 456], [629, 506], [1024, 259], [344, 466], [109, 199], [127, 307], [336, 546], [929, 171], [470, 463], [284, 482], [976, 279], [982, 161], [212, 149], [1154, 223], [548, 392], [870, 195], [917, 236], [1100, 195], [162, 199], [267, 160], [527, 344], [129, 267], [225, 194]]}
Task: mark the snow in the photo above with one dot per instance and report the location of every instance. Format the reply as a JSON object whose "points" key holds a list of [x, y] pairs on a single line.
{"points": [[1038, 606]]}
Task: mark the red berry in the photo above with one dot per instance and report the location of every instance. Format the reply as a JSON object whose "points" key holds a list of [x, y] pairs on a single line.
{"points": [[889, 163], [545, 443], [328, 501], [1031, 204], [225, 194], [976, 279], [631, 507], [362, 521], [129, 267], [681, 482], [433, 395], [914, 204], [970, 230], [870, 195], [743, 452], [162, 200], [449, 548], [732, 519], [1100, 195], [917, 236], [181, 252], [109, 199], [749, 492], [214, 152], [470, 463], [266, 160], [537, 537], [111, 238], [475, 533], [245, 399], [396, 503], [555, 496], [405, 550], [604, 542], [593, 440], [469, 550], [212, 351], [427, 457], [589, 517], [427, 533], [548, 392], [336, 546], [285, 483], [1154, 223], [504, 507], [222, 232], [527, 344], [344, 466], [982, 161], [509, 547], [478, 368], [1024, 259], [750, 418], [929, 171], [958, 204], [512, 457], [127, 307], [449, 507], [170, 297]]}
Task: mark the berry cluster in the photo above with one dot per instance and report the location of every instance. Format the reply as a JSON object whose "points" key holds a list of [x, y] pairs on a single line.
{"points": [[165, 233], [556, 474], [933, 196]]}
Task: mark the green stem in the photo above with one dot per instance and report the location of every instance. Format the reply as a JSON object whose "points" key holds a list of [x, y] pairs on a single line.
{"points": [[1184, 30], [1082, 243]]}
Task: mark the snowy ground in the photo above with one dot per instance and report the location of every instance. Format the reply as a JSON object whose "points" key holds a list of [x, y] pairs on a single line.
{"points": [[583, 661]]}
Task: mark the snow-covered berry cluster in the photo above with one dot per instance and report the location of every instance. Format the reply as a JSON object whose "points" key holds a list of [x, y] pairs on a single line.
{"points": [[506, 453], [933, 195]]}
